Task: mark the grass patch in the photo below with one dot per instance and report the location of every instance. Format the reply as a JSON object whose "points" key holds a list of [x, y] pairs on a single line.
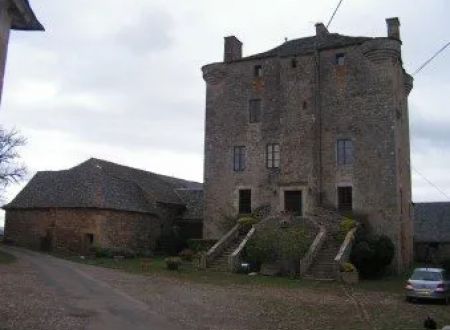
{"points": [[6, 258]]}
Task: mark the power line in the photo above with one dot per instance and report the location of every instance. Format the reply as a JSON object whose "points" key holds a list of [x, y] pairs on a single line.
{"points": [[431, 183], [432, 58], [334, 13]]}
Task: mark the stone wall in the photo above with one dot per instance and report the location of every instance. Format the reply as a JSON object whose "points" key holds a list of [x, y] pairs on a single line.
{"points": [[68, 228]]}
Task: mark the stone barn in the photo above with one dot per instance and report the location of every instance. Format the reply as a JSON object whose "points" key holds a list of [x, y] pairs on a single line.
{"points": [[99, 203], [432, 231]]}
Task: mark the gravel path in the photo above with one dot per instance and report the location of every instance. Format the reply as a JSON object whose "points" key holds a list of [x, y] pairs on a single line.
{"points": [[42, 292], [26, 302]]}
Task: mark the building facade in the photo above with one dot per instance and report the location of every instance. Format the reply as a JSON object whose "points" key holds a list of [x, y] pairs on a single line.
{"points": [[317, 121]]}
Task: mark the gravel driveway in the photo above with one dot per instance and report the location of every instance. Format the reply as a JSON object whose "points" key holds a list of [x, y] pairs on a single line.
{"points": [[42, 292]]}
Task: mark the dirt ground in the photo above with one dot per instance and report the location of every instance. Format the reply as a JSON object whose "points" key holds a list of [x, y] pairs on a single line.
{"points": [[34, 297]]}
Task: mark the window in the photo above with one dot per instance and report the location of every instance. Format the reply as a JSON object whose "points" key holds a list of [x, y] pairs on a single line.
{"points": [[345, 198], [239, 158], [340, 59], [273, 155], [294, 63], [245, 201], [344, 152], [258, 71], [254, 107]]}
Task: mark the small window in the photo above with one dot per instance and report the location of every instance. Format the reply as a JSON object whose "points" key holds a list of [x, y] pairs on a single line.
{"points": [[239, 158], [245, 201], [344, 152], [254, 108], [294, 63], [273, 155], [340, 59], [258, 71], [345, 198]]}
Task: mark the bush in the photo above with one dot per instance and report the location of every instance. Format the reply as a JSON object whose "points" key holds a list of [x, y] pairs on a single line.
{"points": [[246, 223], [173, 263], [372, 255], [262, 247], [271, 244], [112, 252], [186, 255], [347, 267], [199, 245], [345, 226]]}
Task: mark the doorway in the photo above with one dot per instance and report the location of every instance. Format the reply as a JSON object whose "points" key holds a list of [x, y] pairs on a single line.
{"points": [[345, 198], [293, 202]]}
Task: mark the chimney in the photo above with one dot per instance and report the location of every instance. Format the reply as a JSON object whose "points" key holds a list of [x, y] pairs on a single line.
{"points": [[393, 26], [321, 30], [233, 49]]}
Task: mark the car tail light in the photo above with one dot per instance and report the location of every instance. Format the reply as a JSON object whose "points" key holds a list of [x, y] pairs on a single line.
{"points": [[440, 288], [409, 286]]}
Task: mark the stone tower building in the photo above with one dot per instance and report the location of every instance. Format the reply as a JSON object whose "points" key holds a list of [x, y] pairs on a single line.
{"points": [[14, 15], [317, 121]]}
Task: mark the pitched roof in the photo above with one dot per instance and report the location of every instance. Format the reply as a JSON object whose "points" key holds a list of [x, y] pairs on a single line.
{"points": [[100, 184], [432, 222], [303, 46], [23, 17]]}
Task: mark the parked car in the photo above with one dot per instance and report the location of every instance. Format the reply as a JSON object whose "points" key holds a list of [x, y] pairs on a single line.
{"points": [[429, 283]]}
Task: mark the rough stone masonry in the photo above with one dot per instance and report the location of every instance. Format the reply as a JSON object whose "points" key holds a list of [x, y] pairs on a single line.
{"points": [[316, 121]]}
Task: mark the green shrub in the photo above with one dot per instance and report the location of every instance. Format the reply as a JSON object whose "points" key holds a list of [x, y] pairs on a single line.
{"points": [[292, 243], [173, 263], [372, 255], [112, 252], [199, 245], [246, 223], [270, 244], [347, 267], [102, 252], [345, 226], [186, 255]]}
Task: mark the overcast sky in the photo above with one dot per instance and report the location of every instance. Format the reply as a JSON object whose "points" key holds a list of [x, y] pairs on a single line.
{"points": [[121, 80]]}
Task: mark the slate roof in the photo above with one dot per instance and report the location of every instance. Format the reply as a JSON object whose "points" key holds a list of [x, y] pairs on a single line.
{"points": [[432, 222], [303, 46], [100, 184], [23, 17]]}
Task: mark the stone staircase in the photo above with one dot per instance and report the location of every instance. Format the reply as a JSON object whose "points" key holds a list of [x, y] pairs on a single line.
{"points": [[323, 266], [220, 263]]}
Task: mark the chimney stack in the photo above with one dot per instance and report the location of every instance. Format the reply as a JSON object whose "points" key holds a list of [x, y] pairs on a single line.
{"points": [[393, 27], [233, 49], [321, 30]]}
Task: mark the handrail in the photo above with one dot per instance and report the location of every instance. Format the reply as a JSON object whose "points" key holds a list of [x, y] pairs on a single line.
{"points": [[345, 250], [308, 258], [220, 245], [235, 257]]}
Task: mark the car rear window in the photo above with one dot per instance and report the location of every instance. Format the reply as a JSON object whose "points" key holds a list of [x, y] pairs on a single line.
{"points": [[423, 275]]}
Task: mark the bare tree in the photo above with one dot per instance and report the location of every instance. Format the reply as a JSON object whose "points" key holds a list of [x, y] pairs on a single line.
{"points": [[10, 170]]}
